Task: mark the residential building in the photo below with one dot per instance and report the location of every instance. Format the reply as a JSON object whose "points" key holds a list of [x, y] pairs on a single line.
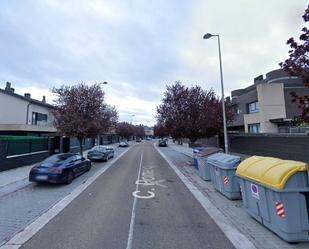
{"points": [[148, 131], [266, 106], [23, 115], [29, 134]]}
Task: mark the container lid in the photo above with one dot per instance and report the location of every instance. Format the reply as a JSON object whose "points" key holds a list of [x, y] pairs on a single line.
{"points": [[223, 161], [208, 151], [273, 172], [198, 149]]}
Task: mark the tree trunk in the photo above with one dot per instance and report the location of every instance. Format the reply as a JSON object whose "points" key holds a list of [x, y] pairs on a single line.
{"points": [[80, 140], [192, 140]]}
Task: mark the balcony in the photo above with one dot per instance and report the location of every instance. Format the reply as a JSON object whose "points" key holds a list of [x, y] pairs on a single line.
{"points": [[40, 127]]}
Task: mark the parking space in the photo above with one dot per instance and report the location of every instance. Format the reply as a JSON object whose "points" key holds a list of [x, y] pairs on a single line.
{"points": [[22, 202]]}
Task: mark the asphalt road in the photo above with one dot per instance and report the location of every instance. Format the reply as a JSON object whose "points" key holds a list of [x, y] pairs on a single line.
{"points": [[163, 213]]}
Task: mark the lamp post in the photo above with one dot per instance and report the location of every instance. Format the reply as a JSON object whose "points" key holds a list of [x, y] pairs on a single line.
{"points": [[207, 36], [99, 137], [132, 116]]}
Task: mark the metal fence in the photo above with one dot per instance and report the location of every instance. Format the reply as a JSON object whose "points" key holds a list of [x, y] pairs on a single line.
{"points": [[26, 146], [285, 146], [16, 151]]}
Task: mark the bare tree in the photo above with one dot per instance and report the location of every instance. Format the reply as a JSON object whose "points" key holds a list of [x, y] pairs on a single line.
{"points": [[139, 131], [298, 65], [171, 111], [160, 130], [191, 112], [125, 130], [80, 111]]}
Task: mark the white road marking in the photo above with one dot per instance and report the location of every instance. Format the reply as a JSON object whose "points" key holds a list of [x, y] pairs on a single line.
{"points": [[131, 229], [239, 240], [148, 182], [149, 196]]}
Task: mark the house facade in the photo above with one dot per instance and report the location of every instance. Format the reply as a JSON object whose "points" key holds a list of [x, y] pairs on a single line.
{"points": [[148, 131], [266, 106], [23, 115], [27, 134]]}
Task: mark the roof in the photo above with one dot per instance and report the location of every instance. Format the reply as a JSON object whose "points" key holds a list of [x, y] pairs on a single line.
{"points": [[274, 76], [33, 101]]}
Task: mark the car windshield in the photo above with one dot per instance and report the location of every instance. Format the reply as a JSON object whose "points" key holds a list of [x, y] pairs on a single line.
{"points": [[98, 147], [57, 158]]}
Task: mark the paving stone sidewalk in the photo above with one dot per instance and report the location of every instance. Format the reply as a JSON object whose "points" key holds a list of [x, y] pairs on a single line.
{"points": [[233, 211]]}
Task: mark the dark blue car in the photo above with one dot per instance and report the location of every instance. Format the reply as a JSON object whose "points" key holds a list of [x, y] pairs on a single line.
{"points": [[60, 168]]}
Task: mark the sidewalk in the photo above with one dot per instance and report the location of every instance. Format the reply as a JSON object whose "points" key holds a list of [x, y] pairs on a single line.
{"points": [[233, 211], [11, 176], [14, 175], [185, 149]]}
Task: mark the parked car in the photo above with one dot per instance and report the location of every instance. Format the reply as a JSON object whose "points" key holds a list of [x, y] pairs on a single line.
{"points": [[124, 144], [60, 168], [162, 143], [100, 153], [138, 140], [148, 138]]}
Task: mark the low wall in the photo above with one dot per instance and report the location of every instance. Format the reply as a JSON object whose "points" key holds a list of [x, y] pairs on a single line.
{"points": [[285, 146], [213, 141], [15, 161], [74, 144], [17, 153]]}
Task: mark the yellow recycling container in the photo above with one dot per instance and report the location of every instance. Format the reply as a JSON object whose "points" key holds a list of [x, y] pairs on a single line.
{"points": [[276, 193]]}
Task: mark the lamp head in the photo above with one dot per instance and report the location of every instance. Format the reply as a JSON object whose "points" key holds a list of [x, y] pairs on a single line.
{"points": [[207, 36]]}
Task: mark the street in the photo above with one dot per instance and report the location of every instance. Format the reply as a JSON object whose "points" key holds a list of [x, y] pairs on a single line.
{"points": [[139, 202]]}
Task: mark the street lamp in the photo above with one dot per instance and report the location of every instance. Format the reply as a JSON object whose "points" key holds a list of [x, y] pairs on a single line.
{"points": [[132, 116], [207, 36], [100, 83]]}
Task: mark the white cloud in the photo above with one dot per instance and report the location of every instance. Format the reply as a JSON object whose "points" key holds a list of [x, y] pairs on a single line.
{"points": [[37, 93], [253, 36], [140, 46]]}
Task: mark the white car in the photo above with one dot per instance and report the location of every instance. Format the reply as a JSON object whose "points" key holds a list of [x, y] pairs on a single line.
{"points": [[123, 144]]}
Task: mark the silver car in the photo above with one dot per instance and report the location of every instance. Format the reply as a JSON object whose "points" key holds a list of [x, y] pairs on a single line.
{"points": [[124, 144], [100, 153]]}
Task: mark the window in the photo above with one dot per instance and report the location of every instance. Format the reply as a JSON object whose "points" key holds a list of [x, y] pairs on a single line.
{"points": [[57, 158], [253, 107], [38, 118], [254, 128], [237, 110]]}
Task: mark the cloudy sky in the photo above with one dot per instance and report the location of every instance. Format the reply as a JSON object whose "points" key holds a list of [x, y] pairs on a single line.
{"points": [[140, 46]]}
